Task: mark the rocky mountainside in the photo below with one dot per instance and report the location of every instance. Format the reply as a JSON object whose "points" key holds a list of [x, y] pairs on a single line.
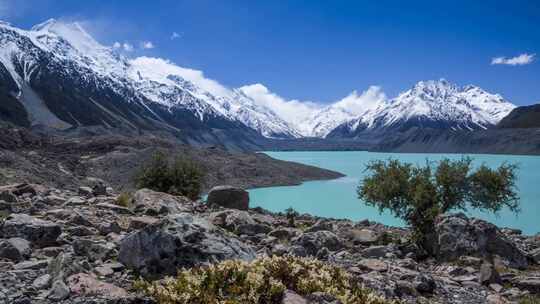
{"points": [[89, 246], [522, 117], [431, 105], [56, 75]]}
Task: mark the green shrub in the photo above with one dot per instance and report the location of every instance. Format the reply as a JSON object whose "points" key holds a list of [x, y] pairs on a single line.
{"points": [[124, 199], [262, 281], [419, 194], [291, 215], [179, 177]]}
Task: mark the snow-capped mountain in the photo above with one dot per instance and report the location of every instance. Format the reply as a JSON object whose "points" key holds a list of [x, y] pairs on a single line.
{"points": [[57, 75], [432, 104]]}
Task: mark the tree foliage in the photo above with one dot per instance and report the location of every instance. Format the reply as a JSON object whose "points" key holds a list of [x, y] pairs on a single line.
{"points": [[417, 194], [179, 177]]}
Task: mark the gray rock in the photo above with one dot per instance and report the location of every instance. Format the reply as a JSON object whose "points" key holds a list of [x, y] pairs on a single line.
{"points": [[361, 236], [313, 241], [377, 251], [34, 265], [15, 249], [535, 255], [291, 297], [229, 197], [114, 208], [531, 284], [94, 250], [59, 291], [154, 203], [35, 230], [85, 191], [424, 283], [181, 240], [239, 222], [99, 189], [457, 235], [488, 274], [284, 233], [42, 282], [373, 265], [321, 225]]}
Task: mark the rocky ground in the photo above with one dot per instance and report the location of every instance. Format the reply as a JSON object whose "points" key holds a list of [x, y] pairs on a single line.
{"points": [[86, 246], [68, 162]]}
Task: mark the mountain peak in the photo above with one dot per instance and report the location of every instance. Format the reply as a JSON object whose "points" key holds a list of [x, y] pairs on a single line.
{"points": [[44, 26]]}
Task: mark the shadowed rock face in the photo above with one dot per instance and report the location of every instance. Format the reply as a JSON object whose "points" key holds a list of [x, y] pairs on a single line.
{"points": [[522, 117], [179, 241], [229, 197], [458, 236]]}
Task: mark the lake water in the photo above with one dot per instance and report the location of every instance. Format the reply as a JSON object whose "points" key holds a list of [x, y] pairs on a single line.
{"points": [[337, 198]]}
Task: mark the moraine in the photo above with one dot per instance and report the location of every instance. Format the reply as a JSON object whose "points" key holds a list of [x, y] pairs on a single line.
{"points": [[337, 198]]}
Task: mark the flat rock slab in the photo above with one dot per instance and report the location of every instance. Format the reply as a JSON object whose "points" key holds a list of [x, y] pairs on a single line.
{"points": [[85, 284], [37, 231]]}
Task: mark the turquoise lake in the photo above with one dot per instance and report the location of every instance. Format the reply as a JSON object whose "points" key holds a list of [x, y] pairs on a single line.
{"points": [[337, 198]]}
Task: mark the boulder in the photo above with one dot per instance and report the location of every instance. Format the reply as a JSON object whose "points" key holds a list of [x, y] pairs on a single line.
{"points": [[284, 233], [239, 222], [99, 189], [94, 250], [313, 241], [488, 274], [229, 197], [38, 232], [59, 291], [456, 235], [15, 249], [154, 203], [361, 236], [181, 240], [378, 251]]}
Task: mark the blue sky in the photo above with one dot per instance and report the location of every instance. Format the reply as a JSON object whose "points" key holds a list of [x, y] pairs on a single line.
{"points": [[321, 50]]}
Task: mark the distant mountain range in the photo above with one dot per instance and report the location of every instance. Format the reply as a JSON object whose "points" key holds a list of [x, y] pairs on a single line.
{"points": [[56, 75]]}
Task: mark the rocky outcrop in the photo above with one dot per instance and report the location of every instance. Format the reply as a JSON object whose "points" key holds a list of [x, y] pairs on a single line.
{"points": [[229, 197], [103, 248], [181, 240], [457, 235], [154, 203]]}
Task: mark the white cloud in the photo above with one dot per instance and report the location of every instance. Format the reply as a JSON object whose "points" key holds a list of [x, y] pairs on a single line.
{"points": [[147, 45], [175, 35], [158, 68], [290, 110], [522, 59], [358, 104], [127, 47], [123, 46]]}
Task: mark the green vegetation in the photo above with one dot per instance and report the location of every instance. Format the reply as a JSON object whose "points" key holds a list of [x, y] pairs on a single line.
{"points": [[291, 215], [261, 281], [124, 199], [529, 300], [179, 177], [419, 194]]}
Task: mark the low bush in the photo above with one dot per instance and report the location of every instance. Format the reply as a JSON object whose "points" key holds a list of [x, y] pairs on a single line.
{"points": [[179, 177], [262, 281]]}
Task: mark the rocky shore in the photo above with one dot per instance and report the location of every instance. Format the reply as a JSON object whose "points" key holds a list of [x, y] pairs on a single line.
{"points": [[89, 246]]}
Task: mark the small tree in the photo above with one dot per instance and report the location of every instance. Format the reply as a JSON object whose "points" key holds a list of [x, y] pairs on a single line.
{"points": [[180, 177], [419, 194], [291, 215]]}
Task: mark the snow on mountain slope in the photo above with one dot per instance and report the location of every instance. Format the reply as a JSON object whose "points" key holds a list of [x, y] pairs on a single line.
{"points": [[434, 104], [150, 79], [355, 105]]}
